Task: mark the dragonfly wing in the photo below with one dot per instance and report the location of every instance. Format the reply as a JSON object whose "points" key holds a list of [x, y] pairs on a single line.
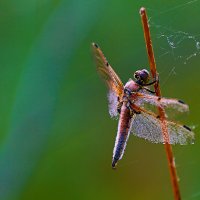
{"points": [[115, 85], [113, 102], [179, 105], [146, 125]]}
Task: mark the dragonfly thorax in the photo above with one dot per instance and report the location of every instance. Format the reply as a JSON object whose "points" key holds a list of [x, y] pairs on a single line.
{"points": [[131, 86]]}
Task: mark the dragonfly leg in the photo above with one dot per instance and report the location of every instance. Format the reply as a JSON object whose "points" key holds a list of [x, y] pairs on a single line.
{"points": [[132, 111], [128, 105], [149, 90], [127, 91], [119, 105], [156, 80]]}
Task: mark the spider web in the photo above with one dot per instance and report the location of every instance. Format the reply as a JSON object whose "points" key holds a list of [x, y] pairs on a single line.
{"points": [[174, 43]]}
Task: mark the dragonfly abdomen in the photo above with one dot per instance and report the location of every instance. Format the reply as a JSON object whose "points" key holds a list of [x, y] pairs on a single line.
{"points": [[122, 134]]}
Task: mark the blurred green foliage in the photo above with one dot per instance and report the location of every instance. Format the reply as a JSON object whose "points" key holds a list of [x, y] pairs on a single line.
{"points": [[56, 135]]}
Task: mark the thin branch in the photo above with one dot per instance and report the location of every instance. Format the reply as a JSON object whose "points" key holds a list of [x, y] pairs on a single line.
{"points": [[168, 148]]}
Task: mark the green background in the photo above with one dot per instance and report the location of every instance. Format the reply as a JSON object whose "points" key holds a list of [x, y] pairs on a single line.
{"points": [[56, 136]]}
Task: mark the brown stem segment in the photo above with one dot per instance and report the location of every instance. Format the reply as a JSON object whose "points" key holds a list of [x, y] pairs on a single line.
{"points": [[168, 148]]}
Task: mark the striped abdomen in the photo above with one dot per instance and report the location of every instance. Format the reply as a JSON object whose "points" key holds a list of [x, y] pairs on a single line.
{"points": [[122, 134]]}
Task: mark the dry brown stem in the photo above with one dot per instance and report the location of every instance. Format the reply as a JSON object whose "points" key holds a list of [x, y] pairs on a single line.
{"points": [[168, 148]]}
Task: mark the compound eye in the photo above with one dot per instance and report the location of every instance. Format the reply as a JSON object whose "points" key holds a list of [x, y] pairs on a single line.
{"points": [[145, 71], [136, 76], [145, 75]]}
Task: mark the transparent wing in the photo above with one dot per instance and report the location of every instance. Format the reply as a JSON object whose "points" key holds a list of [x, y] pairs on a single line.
{"points": [[159, 101], [115, 85], [107, 73], [146, 125], [113, 102]]}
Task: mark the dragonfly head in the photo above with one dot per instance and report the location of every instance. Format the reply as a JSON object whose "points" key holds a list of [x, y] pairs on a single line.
{"points": [[142, 76]]}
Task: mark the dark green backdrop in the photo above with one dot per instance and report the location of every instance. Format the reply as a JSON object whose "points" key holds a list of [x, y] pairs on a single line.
{"points": [[56, 136]]}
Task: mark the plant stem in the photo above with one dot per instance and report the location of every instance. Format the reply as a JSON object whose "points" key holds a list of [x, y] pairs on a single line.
{"points": [[168, 148]]}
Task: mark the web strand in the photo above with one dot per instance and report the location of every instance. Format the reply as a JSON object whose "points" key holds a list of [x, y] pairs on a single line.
{"points": [[181, 46]]}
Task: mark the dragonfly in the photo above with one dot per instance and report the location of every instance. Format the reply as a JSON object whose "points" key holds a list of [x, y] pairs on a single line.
{"points": [[127, 103]]}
